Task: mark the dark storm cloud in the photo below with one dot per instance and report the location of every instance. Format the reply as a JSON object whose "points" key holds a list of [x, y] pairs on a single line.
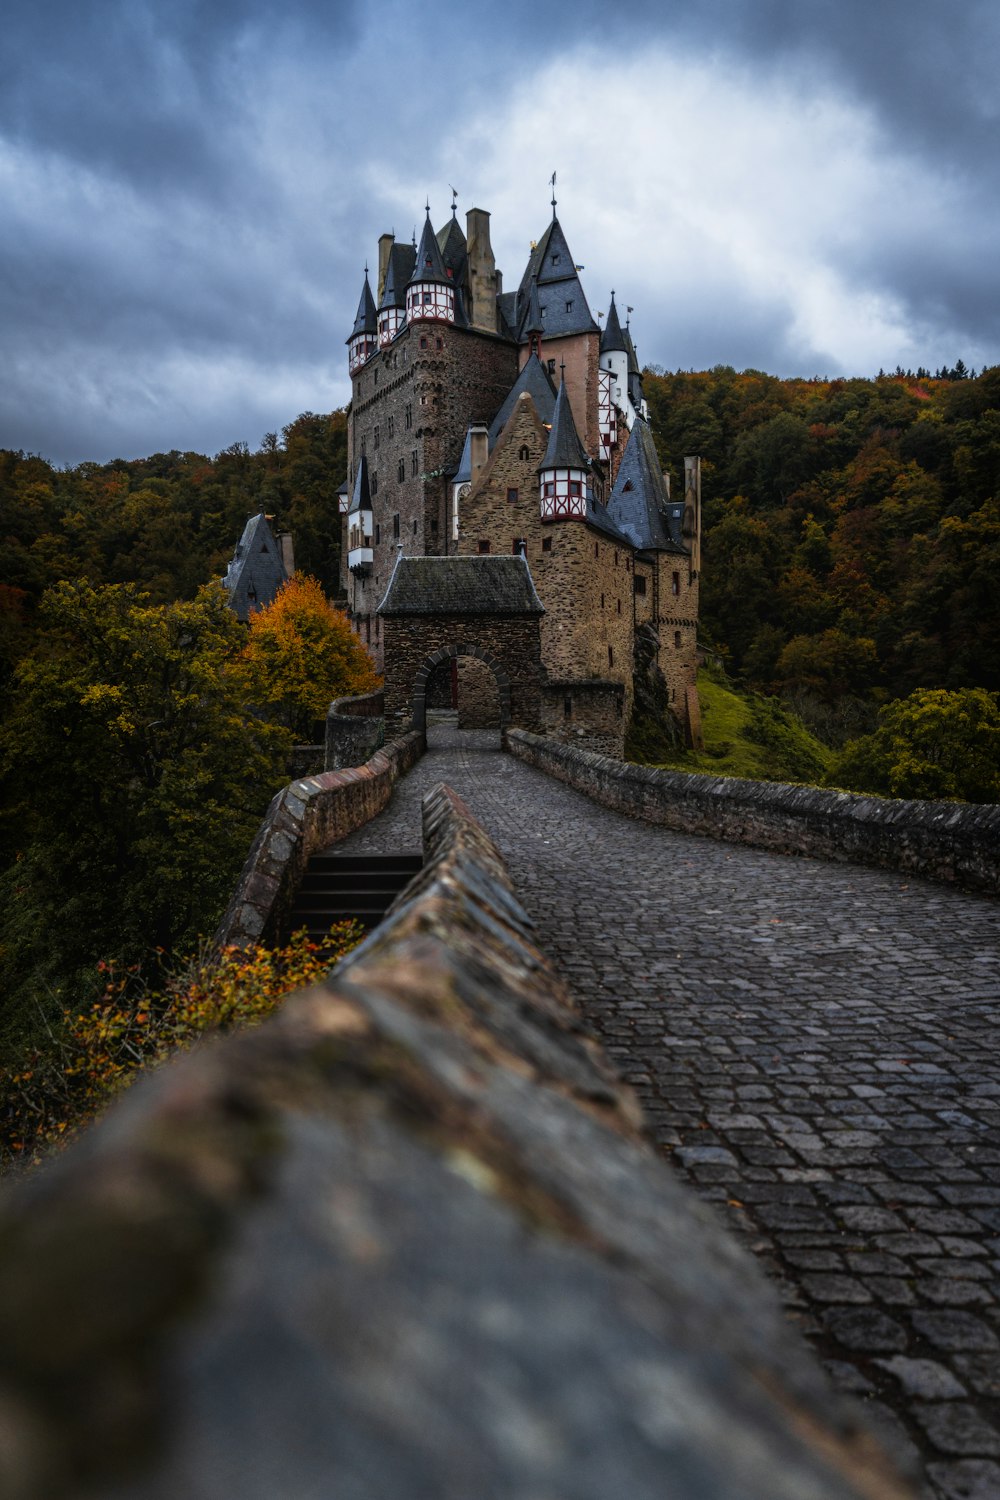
{"points": [[188, 190]]}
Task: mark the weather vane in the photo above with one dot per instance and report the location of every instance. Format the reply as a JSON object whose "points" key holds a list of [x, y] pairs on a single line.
{"points": [[454, 200], [552, 185]]}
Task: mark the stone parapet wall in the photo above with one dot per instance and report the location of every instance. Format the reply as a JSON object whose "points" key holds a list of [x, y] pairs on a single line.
{"points": [[589, 715], [303, 818], [355, 729], [946, 841], [404, 1240]]}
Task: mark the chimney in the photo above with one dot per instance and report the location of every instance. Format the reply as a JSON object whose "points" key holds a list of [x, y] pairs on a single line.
{"points": [[479, 449], [284, 540], [483, 275], [385, 244], [691, 525]]}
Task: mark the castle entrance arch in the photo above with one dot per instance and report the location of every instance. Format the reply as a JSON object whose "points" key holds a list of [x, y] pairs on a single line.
{"points": [[474, 617]]}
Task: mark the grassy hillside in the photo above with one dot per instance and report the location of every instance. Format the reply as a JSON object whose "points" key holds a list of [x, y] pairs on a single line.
{"points": [[746, 735]]}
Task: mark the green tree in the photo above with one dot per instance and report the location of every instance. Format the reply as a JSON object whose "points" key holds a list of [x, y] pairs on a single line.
{"points": [[134, 774], [933, 744]]}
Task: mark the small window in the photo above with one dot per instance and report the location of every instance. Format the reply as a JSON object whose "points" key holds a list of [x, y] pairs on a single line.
{"points": [[401, 471], [408, 415], [375, 437], [423, 341], [374, 484], [616, 559], [552, 367], [378, 534], [677, 640], [640, 584], [439, 343], [512, 494], [546, 544], [569, 307], [574, 486], [602, 601], [675, 586], [264, 549], [413, 463], [619, 607], [426, 299], [484, 547], [549, 488], [375, 377], [555, 257], [611, 656], [525, 452], [627, 487], [395, 527], [414, 527], [567, 707], [391, 424], [597, 549]]}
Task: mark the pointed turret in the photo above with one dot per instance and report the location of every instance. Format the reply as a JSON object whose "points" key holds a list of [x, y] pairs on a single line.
{"points": [[564, 469], [562, 306], [257, 570], [359, 523], [612, 339], [361, 339], [392, 308], [431, 292]]}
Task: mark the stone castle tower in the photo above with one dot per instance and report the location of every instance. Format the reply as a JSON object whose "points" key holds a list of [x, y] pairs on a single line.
{"points": [[485, 421]]}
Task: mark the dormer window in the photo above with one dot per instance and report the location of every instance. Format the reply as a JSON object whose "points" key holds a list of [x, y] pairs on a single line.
{"points": [[555, 257], [569, 307]]}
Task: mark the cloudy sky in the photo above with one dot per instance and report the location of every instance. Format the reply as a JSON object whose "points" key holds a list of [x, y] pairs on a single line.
{"points": [[189, 190]]}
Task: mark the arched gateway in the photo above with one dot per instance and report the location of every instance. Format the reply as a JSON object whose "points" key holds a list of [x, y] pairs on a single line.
{"points": [[441, 609]]}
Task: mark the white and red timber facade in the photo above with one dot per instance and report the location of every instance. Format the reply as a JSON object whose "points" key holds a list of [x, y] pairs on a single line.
{"points": [[484, 421]]}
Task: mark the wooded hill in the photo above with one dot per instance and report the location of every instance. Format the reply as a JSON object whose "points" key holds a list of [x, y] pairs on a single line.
{"points": [[852, 531]]}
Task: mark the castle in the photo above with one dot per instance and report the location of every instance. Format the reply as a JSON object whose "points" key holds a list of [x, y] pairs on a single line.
{"points": [[485, 422]]}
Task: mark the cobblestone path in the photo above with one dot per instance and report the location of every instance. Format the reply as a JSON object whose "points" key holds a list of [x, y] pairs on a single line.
{"points": [[817, 1049]]}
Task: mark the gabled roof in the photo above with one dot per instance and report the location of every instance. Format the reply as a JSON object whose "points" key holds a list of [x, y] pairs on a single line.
{"points": [[428, 265], [638, 504], [612, 339], [257, 570], [398, 273], [461, 586], [361, 498], [535, 379], [565, 451]]}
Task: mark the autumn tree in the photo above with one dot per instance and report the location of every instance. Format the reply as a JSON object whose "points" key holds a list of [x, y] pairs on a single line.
{"points": [[932, 744], [301, 653]]}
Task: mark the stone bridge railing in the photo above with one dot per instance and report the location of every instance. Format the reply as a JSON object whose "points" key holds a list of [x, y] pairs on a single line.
{"points": [[355, 729], [946, 841], [406, 1240], [303, 818]]}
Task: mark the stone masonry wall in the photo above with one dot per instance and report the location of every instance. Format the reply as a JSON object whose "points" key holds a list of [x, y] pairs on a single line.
{"points": [[581, 353], [590, 715], [407, 1240], [512, 640], [410, 410], [478, 695], [582, 578], [945, 841], [355, 729], [303, 818]]}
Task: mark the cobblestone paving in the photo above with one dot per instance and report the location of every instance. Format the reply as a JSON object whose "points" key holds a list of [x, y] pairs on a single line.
{"points": [[816, 1048]]}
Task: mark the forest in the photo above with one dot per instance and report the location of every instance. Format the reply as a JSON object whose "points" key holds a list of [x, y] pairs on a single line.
{"points": [[851, 565]]}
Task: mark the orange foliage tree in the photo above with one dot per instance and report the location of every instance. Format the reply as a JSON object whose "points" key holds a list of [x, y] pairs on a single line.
{"points": [[301, 653]]}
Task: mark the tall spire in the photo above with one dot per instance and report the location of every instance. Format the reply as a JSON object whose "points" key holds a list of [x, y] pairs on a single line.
{"points": [[552, 184], [564, 451], [428, 265], [365, 320], [612, 339]]}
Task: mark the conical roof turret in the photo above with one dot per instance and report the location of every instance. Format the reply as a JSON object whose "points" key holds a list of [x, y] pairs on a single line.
{"points": [[429, 265], [612, 339], [366, 320], [564, 451]]}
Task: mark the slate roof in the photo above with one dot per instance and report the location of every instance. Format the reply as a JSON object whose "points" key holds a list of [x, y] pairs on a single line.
{"points": [[598, 515], [361, 498], [612, 339], [562, 305], [461, 586], [453, 247], [638, 504], [398, 273], [535, 379], [565, 451], [257, 571], [366, 321], [429, 265], [533, 320]]}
